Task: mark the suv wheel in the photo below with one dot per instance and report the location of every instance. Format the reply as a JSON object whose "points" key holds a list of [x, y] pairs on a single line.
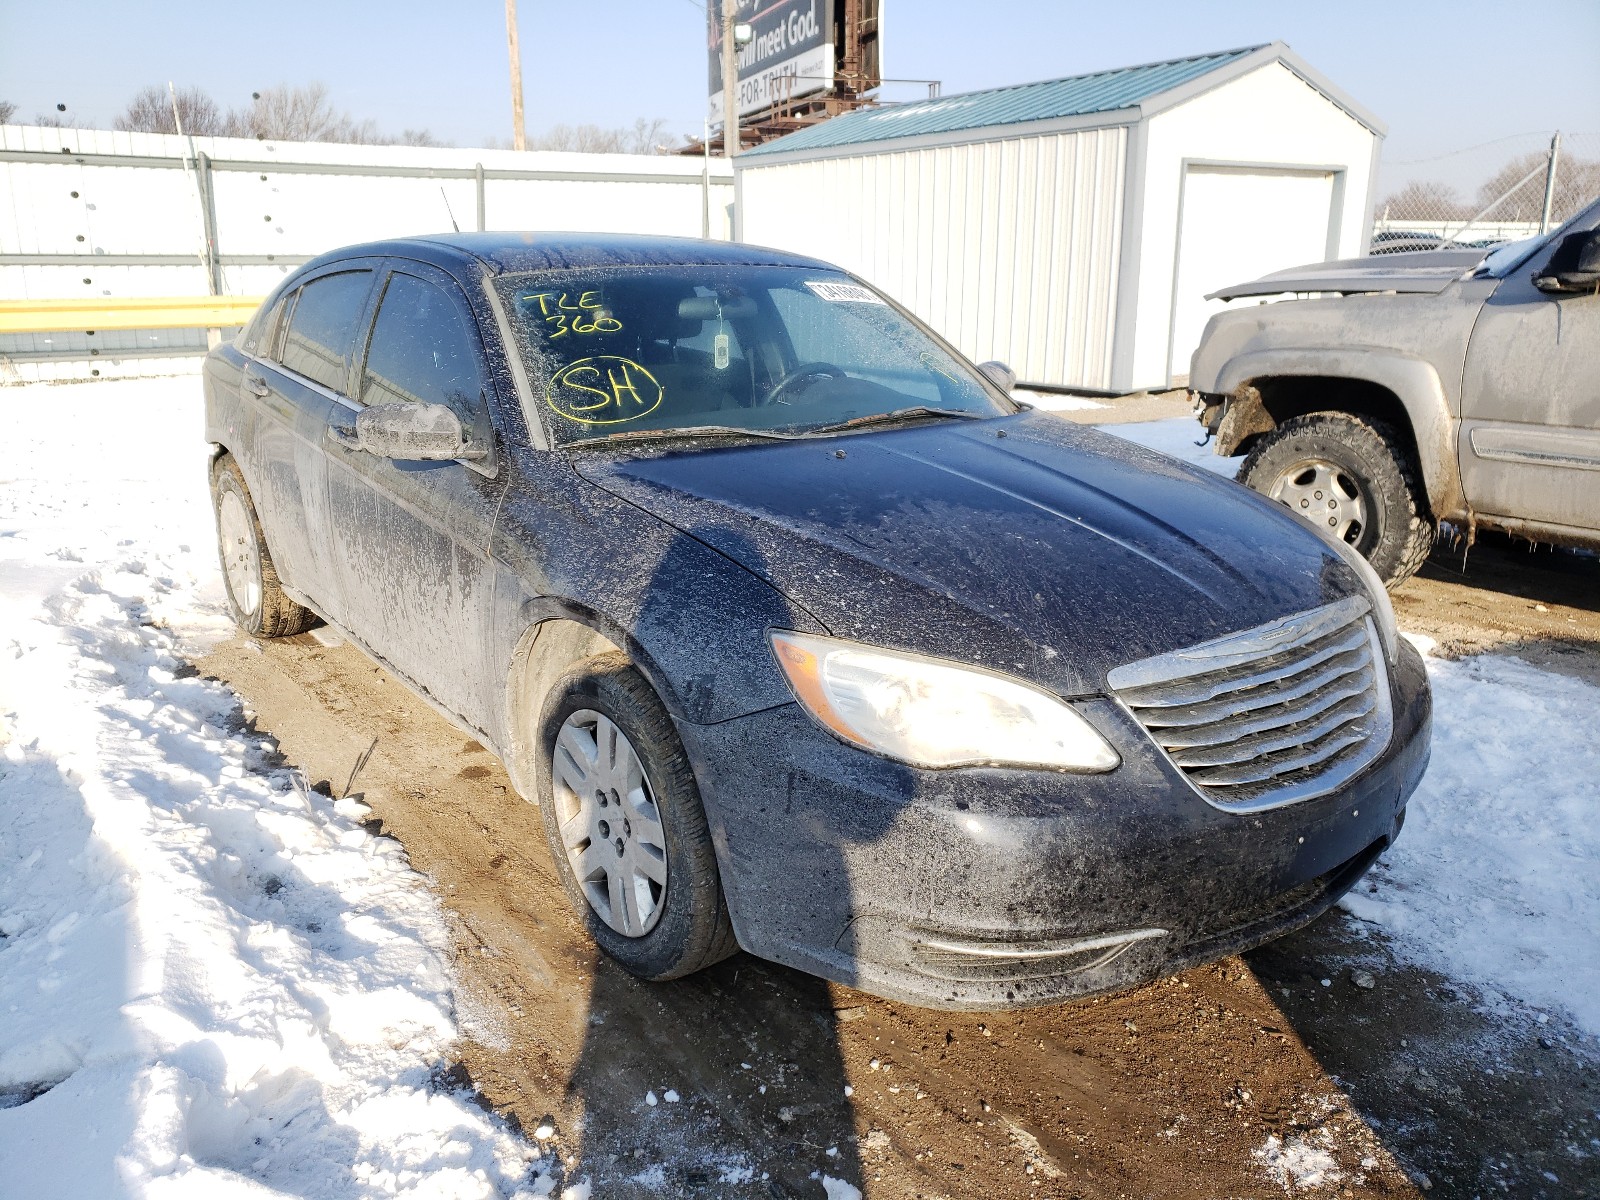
{"points": [[257, 601], [1352, 478], [623, 817]]}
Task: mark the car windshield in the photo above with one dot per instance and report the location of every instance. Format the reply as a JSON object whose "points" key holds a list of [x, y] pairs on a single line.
{"points": [[657, 350]]}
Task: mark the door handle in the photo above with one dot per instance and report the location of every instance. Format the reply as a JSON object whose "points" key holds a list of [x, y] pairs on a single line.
{"points": [[257, 385]]}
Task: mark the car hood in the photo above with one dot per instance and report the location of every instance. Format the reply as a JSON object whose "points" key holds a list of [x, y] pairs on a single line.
{"points": [[1022, 544], [1427, 271]]}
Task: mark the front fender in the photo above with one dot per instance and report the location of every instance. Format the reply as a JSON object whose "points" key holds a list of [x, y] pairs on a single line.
{"points": [[1413, 381]]}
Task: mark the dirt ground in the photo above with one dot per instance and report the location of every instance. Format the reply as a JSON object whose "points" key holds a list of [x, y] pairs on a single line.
{"points": [[765, 1080]]}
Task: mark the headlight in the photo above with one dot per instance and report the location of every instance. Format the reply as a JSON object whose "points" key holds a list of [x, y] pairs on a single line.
{"points": [[932, 713], [1382, 607]]}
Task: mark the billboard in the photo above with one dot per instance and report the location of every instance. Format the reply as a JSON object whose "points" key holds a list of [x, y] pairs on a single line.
{"points": [[790, 55]]}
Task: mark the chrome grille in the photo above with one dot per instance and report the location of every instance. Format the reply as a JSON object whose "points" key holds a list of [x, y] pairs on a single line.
{"points": [[1284, 712]]}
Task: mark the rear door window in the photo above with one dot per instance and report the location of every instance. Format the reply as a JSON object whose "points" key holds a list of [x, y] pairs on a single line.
{"points": [[424, 351], [260, 339], [323, 326]]}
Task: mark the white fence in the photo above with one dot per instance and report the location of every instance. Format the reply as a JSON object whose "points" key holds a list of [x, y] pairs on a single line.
{"points": [[92, 213]]}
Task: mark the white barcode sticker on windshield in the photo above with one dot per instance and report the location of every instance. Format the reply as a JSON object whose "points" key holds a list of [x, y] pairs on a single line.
{"points": [[843, 293]]}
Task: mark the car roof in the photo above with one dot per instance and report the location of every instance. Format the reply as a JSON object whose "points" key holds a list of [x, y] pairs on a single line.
{"points": [[514, 252]]}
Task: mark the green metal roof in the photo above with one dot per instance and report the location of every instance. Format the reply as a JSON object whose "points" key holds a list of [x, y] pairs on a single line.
{"points": [[1079, 95]]}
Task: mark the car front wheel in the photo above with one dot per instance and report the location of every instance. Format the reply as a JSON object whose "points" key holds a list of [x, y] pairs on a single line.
{"points": [[626, 828], [1355, 480]]}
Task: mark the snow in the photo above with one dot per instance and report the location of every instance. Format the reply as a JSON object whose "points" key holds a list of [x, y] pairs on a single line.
{"points": [[212, 981], [1056, 401], [1297, 1163], [1177, 437], [1495, 880]]}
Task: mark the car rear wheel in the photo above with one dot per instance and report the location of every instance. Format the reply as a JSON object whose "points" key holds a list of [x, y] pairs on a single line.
{"points": [[1355, 480], [626, 828], [256, 599]]}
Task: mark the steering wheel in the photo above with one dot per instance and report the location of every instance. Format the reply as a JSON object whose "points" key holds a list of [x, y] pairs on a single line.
{"points": [[808, 370]]}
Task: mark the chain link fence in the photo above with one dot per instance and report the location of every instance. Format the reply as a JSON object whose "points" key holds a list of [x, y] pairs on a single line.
{"points": [[1499, 191]]}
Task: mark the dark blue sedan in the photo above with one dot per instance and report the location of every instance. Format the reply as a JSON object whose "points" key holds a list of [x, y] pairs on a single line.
{"points": [[802, 634]]}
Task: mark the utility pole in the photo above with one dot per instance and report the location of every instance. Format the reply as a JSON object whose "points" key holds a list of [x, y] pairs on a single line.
{"points": [[519, 130], [730, 79], [1550, 182]]}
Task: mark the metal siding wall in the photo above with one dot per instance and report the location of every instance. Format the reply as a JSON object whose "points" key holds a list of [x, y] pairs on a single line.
{"points": [[133, 209], [1009, 248]]}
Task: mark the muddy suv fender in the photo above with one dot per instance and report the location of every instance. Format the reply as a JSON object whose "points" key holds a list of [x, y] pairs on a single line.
{"points": [[1242, 380]]}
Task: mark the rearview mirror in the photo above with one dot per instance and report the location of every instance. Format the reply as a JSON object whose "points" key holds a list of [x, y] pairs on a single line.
{"points": [[1574, 267], [1002, 376], [414, 433]]}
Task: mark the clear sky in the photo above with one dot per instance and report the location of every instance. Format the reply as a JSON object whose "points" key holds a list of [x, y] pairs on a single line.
{"points": [[1444, 74]]}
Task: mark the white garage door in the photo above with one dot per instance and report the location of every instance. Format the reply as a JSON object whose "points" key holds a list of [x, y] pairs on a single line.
{"points": [[1238, 224]]}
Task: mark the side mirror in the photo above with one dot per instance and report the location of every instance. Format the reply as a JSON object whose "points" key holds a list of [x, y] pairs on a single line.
{"points": [[1002, 376], [1574, 267], [414, 433]]}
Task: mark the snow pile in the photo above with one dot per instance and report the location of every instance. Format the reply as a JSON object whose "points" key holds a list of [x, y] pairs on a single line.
{"points": [[213, 982], [1496, 877]]}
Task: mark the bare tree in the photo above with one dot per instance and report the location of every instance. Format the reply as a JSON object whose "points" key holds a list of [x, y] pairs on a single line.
{"points": [[1525, 201], [646, 137], [414, 137], [1577, 182], [7, 109], [1424, 200], [150, 111], [299, 114], [650, 137]]}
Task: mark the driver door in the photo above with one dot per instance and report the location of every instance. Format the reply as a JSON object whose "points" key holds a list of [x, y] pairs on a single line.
{"points": [[1530, 430], [411, 539]]}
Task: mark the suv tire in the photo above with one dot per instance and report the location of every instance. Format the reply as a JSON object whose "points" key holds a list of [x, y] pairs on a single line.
{"points": [[626, 828], [1355, 479], [256, 599]]}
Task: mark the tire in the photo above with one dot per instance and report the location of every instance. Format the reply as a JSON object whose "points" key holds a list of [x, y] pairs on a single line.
{"points": [[256, 599], [1356, 479], [648, 889]]}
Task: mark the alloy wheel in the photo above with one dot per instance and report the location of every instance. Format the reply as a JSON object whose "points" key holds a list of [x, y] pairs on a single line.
{"points": [[610, 823]]}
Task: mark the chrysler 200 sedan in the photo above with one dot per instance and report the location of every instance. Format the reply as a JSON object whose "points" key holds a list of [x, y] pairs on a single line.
{"points": [[802, 634]]}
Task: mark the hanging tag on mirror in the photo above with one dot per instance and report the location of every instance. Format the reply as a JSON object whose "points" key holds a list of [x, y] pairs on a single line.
{"points": [[719, 352]]}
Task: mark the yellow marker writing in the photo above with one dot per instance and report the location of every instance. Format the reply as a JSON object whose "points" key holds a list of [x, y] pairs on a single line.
{"points": [[604, 390]]}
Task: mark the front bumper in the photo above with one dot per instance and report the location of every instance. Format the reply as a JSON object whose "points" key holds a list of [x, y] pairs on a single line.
{"points": [[986, 888]]}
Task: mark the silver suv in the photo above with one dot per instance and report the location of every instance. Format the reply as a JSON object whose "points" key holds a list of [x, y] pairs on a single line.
{"points": [[1386, 395]]}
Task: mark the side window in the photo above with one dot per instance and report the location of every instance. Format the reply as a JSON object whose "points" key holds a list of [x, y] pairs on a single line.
{"points": [[423, 351], [323, 325], [261, 334]]}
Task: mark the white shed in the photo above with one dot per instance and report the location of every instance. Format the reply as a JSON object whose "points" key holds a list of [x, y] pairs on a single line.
{"points": [[1072, 228]]}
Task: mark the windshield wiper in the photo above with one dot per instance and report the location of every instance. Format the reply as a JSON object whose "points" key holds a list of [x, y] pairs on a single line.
{"points": [[732, 431], [900, 414], [687, 431]]}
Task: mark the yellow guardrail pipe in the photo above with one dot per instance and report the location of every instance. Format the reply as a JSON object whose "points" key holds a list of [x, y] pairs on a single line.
{"points": [[113, 312]]}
